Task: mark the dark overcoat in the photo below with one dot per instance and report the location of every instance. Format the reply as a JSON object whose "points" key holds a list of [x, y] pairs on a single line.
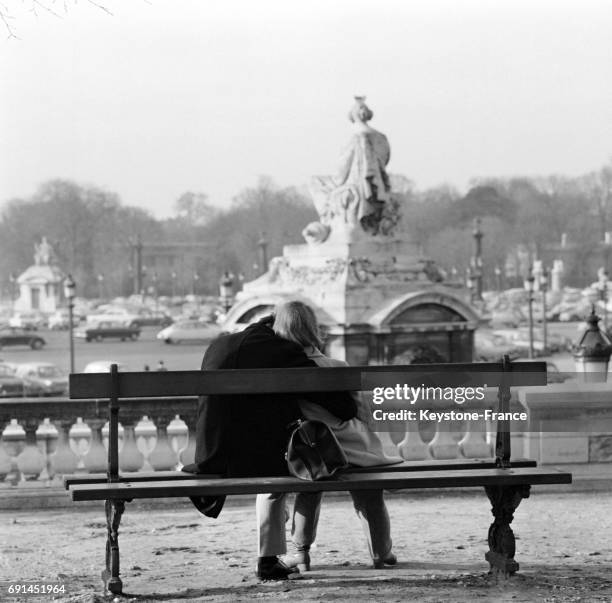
{"points": [[247, 435]]}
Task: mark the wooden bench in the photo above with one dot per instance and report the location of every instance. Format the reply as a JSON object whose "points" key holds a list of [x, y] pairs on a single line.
{"points": [[505, 484]]}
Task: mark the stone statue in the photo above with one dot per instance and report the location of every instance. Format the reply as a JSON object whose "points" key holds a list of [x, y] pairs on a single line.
{"points": [[359, 195], [43, 253]]}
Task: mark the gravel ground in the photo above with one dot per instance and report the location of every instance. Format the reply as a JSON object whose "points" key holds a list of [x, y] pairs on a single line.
{"points": [[564, 546]]}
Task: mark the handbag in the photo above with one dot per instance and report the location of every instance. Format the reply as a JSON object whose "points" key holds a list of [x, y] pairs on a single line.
{"points": [[313, 452]]}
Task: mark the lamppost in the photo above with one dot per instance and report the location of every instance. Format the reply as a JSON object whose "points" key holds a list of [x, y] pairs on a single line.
{"points": [[226, 290], [173, 277], [155, 291], [100, 286], [194, 284], [602, 285], [69, 293], [477, 259], [529, 285], [544, 288], [498, 282], [143, 278], [592, 352], [139, 269]]}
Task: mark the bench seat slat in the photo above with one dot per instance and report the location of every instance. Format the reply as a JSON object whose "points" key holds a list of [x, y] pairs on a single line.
{"points": [[360, 481], [431, 465], [265, 381]]}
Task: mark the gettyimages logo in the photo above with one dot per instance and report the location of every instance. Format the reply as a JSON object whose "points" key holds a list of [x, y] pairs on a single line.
{"points": [[412, 395]]}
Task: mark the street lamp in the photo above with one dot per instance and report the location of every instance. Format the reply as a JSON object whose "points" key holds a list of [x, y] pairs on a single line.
{"points": [[173, 277], [69, 293], [155, 290], [544, 288], [477, 259], [592, 352], [100, 286], [143, 278], [194, 284], [226, 290], [529, 286], [498, 273]]}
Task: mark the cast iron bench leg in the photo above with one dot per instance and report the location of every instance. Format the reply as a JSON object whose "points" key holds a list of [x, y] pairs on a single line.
{"points": [[110, 576], [504, 501]]}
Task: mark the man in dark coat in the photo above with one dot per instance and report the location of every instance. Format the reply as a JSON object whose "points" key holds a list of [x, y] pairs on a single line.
{"points": [[246, 435]]}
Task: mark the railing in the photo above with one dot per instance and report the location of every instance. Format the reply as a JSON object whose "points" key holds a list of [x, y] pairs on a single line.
{"points": [[43, 439]]}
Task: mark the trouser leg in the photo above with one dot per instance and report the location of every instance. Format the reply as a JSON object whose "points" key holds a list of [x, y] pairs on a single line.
{"points": [[305, 519], [372, 511], [270, 511]]}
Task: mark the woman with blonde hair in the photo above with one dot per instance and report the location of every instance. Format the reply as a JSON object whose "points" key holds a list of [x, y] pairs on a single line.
{"points": [[297, 322]]}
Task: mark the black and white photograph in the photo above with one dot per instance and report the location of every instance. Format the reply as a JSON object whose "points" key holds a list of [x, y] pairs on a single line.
{"points": [[306, 301]]}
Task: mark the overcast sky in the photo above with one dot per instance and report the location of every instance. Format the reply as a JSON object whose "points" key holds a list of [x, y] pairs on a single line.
{"points": [[165, 96]]}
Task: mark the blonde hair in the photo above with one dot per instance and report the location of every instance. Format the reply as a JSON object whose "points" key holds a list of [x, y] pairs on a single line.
{"points": [[296, 321]]}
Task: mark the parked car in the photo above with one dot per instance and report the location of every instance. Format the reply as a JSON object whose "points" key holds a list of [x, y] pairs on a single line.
{"points": [[10, 385], [107, 329], [154, 318], [114, 314], [42, 379], [60, 320], [30, 321], [189, 330], [13, 336], [103, 366]]}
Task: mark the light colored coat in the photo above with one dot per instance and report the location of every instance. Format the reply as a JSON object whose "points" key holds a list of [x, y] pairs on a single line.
{"points": [[362, 446]]}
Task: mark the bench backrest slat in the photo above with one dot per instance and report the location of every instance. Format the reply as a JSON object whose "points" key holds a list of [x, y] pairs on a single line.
{"points": [[120, 386], [267, 381]]}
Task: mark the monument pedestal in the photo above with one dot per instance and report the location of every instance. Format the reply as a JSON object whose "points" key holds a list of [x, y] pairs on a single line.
{"points": [[377, 299]]}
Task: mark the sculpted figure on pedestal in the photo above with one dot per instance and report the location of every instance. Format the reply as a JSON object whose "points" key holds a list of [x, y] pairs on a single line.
{"points": [[43, 253], [359, 196]]}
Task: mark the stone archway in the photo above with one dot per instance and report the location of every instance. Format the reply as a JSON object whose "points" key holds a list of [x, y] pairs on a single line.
{"points": [[434, 325]]}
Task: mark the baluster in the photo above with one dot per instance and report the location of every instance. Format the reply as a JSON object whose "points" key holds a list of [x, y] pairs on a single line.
{"points": [[443, 445], [14, 441], [412, 447], [46, 436], [162, 457], [390, 441], [96, 459], [178, 435], [146, 438], [31, 461], [188, 455], [80, 440], [64, 461], [130, 458], [474, 443]]}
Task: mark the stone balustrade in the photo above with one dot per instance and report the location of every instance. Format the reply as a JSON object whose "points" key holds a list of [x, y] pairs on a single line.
{"points": [[43, 439]]}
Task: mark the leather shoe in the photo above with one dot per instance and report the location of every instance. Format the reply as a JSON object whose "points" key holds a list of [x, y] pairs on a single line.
{"points": [[388, 559], [275, 570], [299, 559]]}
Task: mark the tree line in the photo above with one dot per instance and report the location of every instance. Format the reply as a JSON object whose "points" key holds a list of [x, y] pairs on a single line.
{"points": [[93, 234]]}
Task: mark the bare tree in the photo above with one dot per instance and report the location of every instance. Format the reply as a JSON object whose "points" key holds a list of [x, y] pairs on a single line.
{"points": [[11, 10]]}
